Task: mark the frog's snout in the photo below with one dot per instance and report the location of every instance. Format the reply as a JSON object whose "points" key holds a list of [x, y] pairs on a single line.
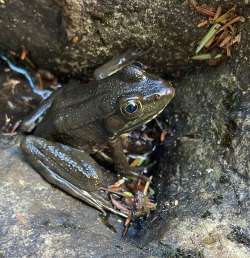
{"points": [[166, 91], [170, 91]]}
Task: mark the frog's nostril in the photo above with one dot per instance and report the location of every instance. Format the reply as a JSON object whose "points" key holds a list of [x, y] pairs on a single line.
{"points": [[167, 90], [157, 96]]}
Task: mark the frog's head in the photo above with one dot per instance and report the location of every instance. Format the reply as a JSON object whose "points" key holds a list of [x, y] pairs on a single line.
{"points": [[135, 98]]}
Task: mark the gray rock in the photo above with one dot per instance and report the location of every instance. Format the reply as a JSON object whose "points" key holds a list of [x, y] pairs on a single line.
{"points": [[38, 220], [72, 36], [204, 172]]}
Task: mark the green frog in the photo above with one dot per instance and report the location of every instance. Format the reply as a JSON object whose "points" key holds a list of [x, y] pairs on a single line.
{"points": [[78, 120]]}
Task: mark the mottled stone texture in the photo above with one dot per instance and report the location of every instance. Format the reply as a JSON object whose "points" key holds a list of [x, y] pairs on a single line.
{"points": [[36, 25], [74, 35], [203, 178], [205, 169]]}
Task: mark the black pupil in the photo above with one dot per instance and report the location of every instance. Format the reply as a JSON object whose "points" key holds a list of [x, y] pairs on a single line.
{"points": [[131, 108]]}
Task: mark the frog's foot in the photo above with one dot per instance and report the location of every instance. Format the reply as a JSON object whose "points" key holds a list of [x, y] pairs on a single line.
{"points": [[71, 170]]}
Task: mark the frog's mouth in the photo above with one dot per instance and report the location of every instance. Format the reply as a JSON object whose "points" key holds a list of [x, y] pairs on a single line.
{"points": [[133, 124]]}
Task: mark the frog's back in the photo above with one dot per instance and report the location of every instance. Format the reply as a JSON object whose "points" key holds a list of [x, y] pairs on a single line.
{"points": [[75, 118]]}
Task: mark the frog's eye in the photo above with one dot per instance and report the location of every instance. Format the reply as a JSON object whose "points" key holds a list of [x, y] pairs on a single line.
{"points": [[131, 107]]}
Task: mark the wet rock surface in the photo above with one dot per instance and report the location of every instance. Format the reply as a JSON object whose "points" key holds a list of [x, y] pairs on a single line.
{"points": [[204, 172]]}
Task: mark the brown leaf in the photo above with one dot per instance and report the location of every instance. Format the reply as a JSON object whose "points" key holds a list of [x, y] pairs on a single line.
{"points": [[24, 54], [127, 224], [236, 19], [135, 186], [228, 51], [225, 41], [163, 135], [203, 23], [218, 13], [145, 190], [205, 10]]}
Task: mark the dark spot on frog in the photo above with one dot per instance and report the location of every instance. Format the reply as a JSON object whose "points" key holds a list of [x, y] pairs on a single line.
{"points": [[114, 122]]}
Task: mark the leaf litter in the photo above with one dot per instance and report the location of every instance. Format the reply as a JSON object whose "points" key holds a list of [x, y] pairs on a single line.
{"points": [[134, 196], [222, 35]]}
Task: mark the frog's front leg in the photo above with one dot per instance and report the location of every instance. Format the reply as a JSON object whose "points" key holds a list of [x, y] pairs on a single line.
{"points": [[71, 170], [117, 63], [36, 116], [120, 160]]}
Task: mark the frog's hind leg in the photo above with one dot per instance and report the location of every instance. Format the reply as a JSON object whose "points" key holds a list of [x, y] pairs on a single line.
{"points": [[71, 189], [71, 170]]}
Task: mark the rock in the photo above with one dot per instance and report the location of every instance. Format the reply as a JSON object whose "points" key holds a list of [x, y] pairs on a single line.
{"points": [[37, 26], [204, 172], [39, 220], [74, 35]]}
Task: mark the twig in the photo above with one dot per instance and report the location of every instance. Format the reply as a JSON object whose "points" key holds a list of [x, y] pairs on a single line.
{"points": [[145, 191], [218, 13], [236, 19]]}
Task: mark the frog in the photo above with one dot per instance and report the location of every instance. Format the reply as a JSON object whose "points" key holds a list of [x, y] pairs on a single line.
{"points": [[62, 134]]}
